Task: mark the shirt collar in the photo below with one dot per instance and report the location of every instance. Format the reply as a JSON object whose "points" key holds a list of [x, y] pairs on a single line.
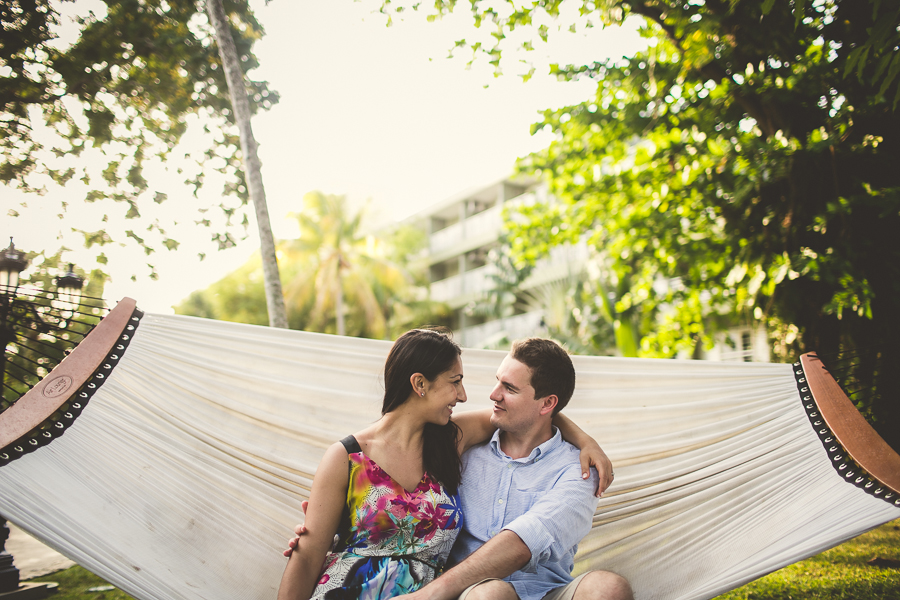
{"points": [[544, 448]]}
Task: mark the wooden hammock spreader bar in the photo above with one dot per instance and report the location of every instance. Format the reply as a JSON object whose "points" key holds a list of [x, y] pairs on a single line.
{"points": [[54, 390], [856, 436]]}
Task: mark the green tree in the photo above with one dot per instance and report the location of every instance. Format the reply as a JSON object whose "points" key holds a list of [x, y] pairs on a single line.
{"points": [[349, 276], [239, 297], [125, 88], [376, 279], [569, 306], [404, 246], [621, 305], [502, 299], [747, 158]]}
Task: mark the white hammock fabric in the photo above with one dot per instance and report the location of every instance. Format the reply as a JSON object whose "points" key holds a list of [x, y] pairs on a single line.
{"points": [[183, 476]]}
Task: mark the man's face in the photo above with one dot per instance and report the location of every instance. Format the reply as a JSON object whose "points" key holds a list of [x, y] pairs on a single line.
{"points": [[515, 407]]}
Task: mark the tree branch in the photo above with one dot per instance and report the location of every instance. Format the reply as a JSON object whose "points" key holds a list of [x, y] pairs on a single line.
{"points": [[768, 119]]}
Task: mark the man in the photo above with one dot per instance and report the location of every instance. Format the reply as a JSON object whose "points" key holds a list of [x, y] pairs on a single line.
{"points": [[521, 533]]}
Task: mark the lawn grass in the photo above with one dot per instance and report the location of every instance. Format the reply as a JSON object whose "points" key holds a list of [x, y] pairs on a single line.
{"points": [[75, 582], [841, 573]]}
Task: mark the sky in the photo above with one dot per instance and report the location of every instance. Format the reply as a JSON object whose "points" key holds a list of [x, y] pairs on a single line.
{"points": [[377, 113]]}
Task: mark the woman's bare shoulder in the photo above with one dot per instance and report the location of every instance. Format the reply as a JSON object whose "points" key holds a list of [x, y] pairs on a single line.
{"points": [[335, 453]]}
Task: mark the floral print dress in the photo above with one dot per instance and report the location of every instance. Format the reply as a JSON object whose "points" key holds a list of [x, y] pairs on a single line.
{"points": [[391, 541]]}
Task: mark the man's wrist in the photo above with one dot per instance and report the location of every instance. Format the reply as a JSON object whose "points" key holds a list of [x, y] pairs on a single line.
{"points": [[440, 588]]}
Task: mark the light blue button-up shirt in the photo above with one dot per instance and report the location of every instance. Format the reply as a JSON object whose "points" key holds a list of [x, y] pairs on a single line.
{"points": [[541, 498]]}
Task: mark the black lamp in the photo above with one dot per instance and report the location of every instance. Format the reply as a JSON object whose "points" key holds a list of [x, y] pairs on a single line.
{"points": [[68, 291], [12, 262]]}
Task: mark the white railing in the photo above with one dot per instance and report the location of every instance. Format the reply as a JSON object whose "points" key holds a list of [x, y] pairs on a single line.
{"points": [[512, 328], [562, 261], [486, 222], [476, 281], [445, 238], [489, 221]]}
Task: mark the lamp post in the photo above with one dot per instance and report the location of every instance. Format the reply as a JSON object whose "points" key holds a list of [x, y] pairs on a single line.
{"points": [[12, 263], [68, 291]]}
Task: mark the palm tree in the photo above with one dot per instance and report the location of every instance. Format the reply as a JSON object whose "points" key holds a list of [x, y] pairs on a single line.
{"points": [[347, 275]]}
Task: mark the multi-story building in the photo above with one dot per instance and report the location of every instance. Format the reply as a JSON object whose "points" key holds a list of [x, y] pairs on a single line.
{"points": [[462, 231], [465, 228]]}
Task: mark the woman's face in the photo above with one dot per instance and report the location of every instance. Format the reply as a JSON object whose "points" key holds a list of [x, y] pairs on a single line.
{"points": [[444, 392]]}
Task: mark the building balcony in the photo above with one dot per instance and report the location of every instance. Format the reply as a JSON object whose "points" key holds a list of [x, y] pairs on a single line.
{"points": [[512, 328], [486, 225], [471, 283], [562, 261]]}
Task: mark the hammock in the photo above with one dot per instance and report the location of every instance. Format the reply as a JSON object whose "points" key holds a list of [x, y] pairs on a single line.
{"points": [[177, 468]]}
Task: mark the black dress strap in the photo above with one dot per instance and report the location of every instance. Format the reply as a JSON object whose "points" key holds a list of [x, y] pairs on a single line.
{"points": [[351, 445]]}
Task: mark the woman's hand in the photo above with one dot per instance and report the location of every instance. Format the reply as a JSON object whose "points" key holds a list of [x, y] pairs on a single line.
{"points": [[592, 455], [298, 530]]}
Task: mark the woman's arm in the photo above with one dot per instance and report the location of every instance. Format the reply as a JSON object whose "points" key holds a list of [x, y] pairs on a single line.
{"points": [[326, 502], [591, 452], [475, 426]]}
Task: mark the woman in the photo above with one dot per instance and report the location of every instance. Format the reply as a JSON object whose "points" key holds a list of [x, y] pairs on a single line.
{"points": [[390, 491]]}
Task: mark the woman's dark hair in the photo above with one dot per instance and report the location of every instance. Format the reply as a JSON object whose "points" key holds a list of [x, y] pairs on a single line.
{"points": [[429, 352]]}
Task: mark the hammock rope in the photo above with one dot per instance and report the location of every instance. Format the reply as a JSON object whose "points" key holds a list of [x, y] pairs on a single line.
{"points": [[181, 474]]}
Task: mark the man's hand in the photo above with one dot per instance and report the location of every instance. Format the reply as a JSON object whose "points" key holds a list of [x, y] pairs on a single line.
{"points": [[592, 455], [298, 530]]}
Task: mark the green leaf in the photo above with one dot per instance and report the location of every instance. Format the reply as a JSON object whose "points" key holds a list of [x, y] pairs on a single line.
{"points": [[891, 74]]}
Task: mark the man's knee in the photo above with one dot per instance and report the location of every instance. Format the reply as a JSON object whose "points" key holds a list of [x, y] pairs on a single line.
{"points": [[604, 585], [494, 589]]}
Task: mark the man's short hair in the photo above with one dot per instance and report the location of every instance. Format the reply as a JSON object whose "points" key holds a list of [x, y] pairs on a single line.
{"points": [[552, 371]]}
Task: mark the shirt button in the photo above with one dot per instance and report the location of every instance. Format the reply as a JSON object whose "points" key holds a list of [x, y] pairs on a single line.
{"points": [[500, 501], [509, 466]]}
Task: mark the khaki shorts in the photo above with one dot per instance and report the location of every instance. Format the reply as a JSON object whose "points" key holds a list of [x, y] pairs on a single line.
{"points": [[563, 592]]}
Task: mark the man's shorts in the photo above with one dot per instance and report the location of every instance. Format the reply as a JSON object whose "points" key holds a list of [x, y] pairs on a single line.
{"points": [[563, 592]]}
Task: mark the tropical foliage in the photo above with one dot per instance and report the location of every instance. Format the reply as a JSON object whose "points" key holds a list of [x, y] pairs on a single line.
{"points": [[336, 278], [347, 276], [239, 296], [743, 167]]}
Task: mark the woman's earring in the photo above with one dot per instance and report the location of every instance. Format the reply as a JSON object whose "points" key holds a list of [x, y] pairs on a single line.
{"points": [[422, 394]]}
